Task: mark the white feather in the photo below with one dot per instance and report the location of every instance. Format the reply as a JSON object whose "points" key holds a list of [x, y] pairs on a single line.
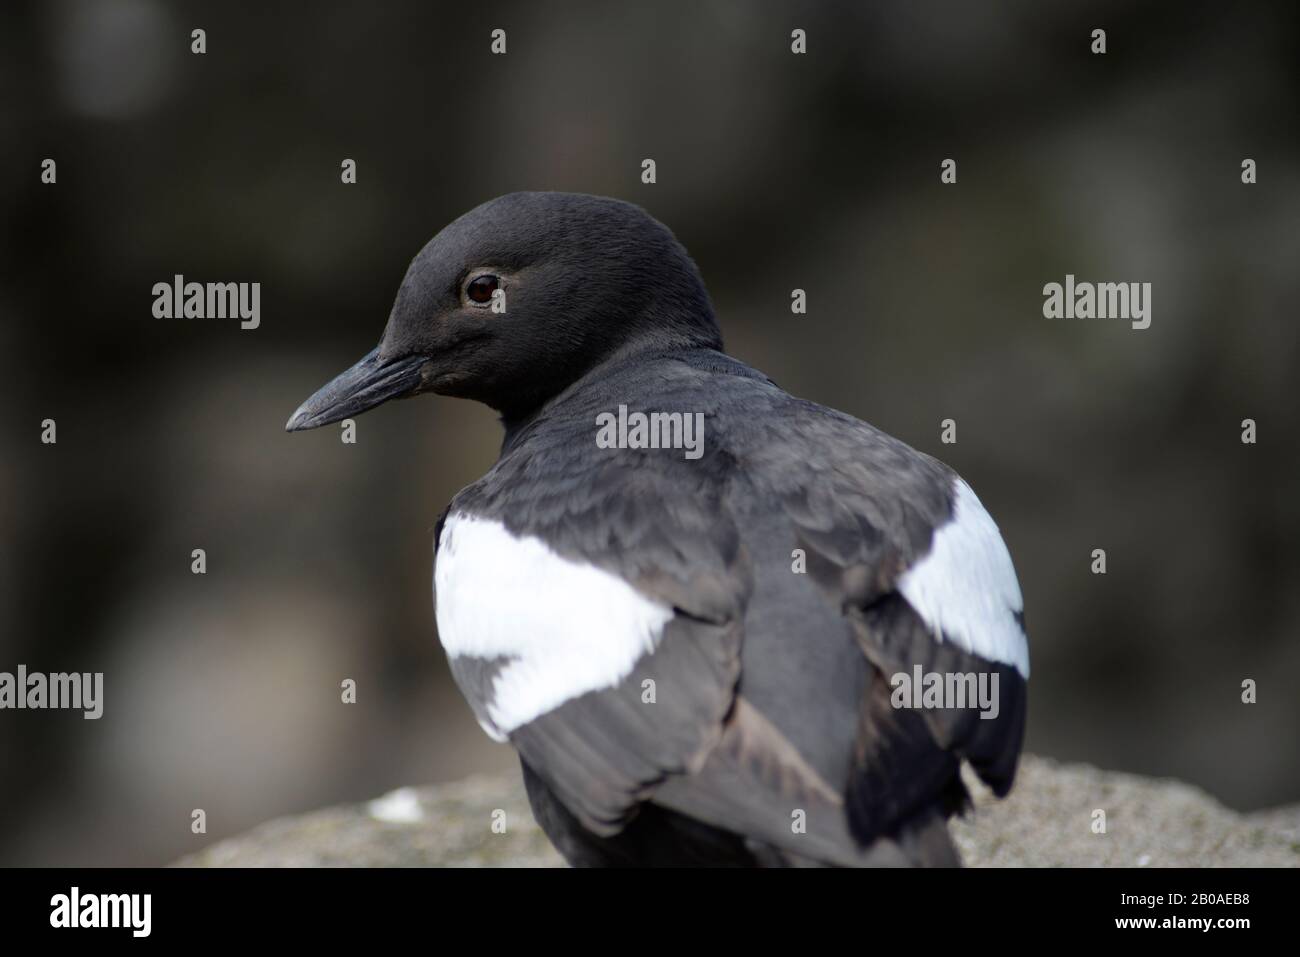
{"points": [[965, 587], [565, 627]]}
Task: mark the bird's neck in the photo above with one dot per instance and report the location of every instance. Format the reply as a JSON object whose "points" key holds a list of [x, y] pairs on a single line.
{"points": [[517, 423]]}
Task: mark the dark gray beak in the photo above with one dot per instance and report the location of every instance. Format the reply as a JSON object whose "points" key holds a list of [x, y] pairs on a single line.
{"points": [[367, 384]]}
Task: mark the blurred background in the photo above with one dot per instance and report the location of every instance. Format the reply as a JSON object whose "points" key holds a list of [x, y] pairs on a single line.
{"points": [[777, 171]]}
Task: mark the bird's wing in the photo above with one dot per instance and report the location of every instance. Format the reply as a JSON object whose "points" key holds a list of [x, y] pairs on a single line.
{"points": [[592, 623], [883, 549]]}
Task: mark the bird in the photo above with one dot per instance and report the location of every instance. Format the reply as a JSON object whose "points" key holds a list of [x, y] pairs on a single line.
{"points": [[696, 652]]}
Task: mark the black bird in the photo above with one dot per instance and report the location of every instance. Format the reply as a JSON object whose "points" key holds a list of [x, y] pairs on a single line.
{"points": [[697, 651]]}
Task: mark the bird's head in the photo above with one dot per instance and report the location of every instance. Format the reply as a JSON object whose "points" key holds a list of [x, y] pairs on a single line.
{"points": [[519, 298]]}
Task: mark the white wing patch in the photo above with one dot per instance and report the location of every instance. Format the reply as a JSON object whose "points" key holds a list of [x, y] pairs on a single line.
{"points": [[965, 587], [565, 628]]}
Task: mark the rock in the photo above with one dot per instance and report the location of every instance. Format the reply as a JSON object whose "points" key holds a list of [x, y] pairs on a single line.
{"points": [[444, 825], [1046, 821]]}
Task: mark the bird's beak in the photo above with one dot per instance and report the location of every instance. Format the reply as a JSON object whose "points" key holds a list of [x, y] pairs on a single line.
{"points": [[371, 381]]}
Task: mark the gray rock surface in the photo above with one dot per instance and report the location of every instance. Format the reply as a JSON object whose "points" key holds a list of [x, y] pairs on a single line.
{"points": [[1047, 821]]}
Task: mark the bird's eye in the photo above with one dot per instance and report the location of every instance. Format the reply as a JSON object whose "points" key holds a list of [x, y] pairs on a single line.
{"points": [[480, 288]]}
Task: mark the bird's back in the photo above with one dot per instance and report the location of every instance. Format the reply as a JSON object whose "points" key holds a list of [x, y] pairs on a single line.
{"points": [[783, 555]]}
